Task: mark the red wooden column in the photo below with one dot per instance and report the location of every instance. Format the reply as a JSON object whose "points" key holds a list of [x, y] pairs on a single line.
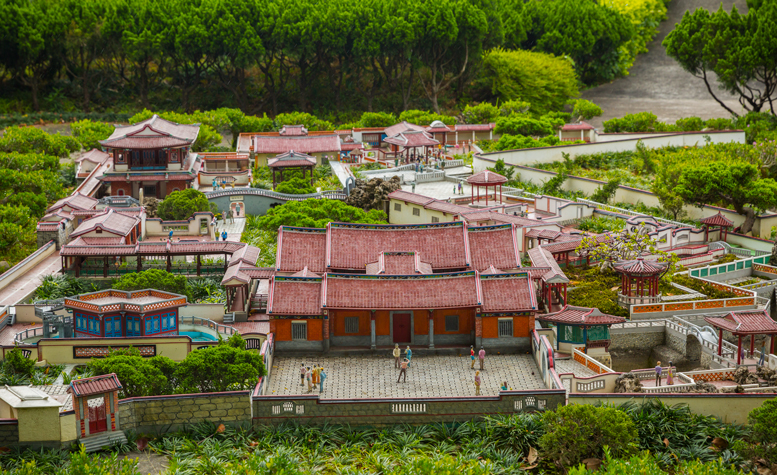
{"points": [[752, 344], [720, 342], [739, 350]]}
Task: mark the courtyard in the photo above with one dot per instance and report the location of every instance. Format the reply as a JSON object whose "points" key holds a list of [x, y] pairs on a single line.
{"points": [[350, 377]]}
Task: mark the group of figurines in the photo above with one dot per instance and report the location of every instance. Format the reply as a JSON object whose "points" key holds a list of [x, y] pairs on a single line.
{"points": [[315, 377]]}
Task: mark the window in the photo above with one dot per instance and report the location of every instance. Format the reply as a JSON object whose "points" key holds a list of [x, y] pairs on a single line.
{"points": [[80, 322], [98, 230], [351, 324], [397, 207], [416, 211], [451, 323], [299, 330], [505, 327], [120, 192], [435, 219], [120, 157]]}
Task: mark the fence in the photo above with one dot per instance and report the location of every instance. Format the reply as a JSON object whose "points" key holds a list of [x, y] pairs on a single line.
{"points": [[27, 263], [22, 336], [5, 317], [627, 212], [332, 195], [217, 327], [729, 267], [590, 363]]}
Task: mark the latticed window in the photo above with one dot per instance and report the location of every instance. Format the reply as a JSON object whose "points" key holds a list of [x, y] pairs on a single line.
{"points": [[416, 211], [505, 327], [397, 207], [435, 219], [451, 323], [299, 330], [571, 333], [351, 324]]}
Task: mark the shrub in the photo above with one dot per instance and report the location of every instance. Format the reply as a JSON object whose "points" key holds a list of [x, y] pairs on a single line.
{"points": [[523, 125], [57, 286], [377, 119], [89, 133], [419, 117], [310, 121], [33, 139], [639, 122], [225, 367], [138, 375], [646, 464], [295, 186], [762, 441], [547, 82], [690, 124], [585, 110], [604, 193], [580, 431], [483, 113], [151, 279], [16, 362], [181, 205], [514, 106]]}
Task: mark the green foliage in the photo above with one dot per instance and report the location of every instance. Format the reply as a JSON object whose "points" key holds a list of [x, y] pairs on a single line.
{"points": [[420, 117], [56, 462], [702, 287], [35, 140], [639, 122], [646, 464], [606, 192], [377, 119], [89, 133], [514, 106], [224, 367], [151, 279], [594, 289], [585, 110], [138, 375], [310, 121], [517, 142], [690, 124], [295, 186], [483, 113], [181, 205], [545, 81], [57, 286], [502, 169], [205, 291], [576, 432], [552, 187], [15, 362], [600, 224], [762, 440], [524, 125]]}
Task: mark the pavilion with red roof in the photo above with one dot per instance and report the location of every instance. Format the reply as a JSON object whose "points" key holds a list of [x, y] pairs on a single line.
{"points": [[744, 323], [719, 222], [640, 280], [292, 160], [576, 326], [578, 131], [486, 178]]}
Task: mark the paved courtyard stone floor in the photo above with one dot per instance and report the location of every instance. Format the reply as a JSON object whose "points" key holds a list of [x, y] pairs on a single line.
{"points": [[428, 376]]}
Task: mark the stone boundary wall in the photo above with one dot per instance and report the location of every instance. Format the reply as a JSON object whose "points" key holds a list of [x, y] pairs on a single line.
{"points": [[378, 412], [170, 413], [637, 338], [9, 432], [38, 256]]}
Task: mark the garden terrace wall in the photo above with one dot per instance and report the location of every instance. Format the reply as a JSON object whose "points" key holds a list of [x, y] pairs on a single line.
{"points": [[40, 255], [9, 432], [378, 412], [170, 413]]}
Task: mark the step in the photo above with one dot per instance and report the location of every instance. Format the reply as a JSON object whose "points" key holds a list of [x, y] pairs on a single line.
{"points": [[105, 439]]}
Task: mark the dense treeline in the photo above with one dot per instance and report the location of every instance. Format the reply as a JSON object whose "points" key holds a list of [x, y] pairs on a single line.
{"points": [[310, 55]]}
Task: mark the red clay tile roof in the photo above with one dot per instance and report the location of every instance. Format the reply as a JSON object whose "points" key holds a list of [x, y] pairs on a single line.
{"points": [[152, 133], [258, 272], [246, 255], [399, 263], [353, 246], [408, 197], [102, 241], [717, 220], [412, 139], [474, 127], [541, 257], [293, 130], [75, 201], [403, 126], [747, 321], [449, 208], [291, 159], [581, 316], [109, 221], [493, 246], [578, 126], [305, 273], [78, 247], [351, 146], [640, 266], [94, 156], [543, 234], [294, 296], [401, 292], [301, 247], [476, 216], [570, 244], [148, 177], [236, 275], [94, 385], [301, 144], [507, 292], [486, 177]]}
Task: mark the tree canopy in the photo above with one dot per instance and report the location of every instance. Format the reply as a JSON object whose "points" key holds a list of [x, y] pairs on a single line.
{"points": [[151, 279], [181, 205]]}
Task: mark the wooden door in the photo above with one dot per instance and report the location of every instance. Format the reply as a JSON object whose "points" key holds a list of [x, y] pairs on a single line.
{"points": [[98, 422], [401, 329]]}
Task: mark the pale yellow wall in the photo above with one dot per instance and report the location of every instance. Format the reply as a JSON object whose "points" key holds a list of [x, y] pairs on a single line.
{"points": [[6, 412], [405, 214], [67, 428], [731, 409], [211, 311], [26, 314], [61, 351], [39, 424], [12, 274], [33, 351]]}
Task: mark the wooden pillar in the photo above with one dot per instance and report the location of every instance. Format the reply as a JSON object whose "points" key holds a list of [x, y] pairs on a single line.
{"points": [[199, 264], [169, 263], [105, 266], [752, 344], [739, 349], [139, 262], [373, 343], [720, 342], [273, 179], [565, 294], [585, 339], [431, 328]]}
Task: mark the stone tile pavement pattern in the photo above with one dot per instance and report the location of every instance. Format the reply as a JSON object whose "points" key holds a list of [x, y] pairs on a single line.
{"points": [[572, 366], [234, 229], [428, 376]]}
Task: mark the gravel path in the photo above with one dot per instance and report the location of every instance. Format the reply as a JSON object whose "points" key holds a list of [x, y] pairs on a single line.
{"points": [[657, 83]]}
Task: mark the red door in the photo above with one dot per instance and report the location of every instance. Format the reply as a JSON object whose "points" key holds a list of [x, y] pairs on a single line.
{"points": [[401, 328], [98, 422]]}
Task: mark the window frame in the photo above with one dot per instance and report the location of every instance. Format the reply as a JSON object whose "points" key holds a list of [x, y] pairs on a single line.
{"points": [[397, 207], [302, 323], [351, 320], [499, 327], [416, 211], [458, 323]]}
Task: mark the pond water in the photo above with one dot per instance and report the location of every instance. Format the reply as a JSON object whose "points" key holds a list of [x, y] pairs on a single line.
{"points": [[199, 336]]}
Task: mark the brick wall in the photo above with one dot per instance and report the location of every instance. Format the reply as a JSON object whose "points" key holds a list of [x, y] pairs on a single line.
{"points": [[636, 340], [168, 413], [9, 432], [271, 410]]}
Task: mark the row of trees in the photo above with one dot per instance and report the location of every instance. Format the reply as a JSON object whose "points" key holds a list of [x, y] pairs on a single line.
{"points": [[305, 55]]}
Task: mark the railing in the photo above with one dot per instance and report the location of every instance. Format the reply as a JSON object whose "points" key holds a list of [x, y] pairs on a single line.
{"points": [[190, 270], [615, 209], [217, 327], [9, 275], [686, 382], [735, 302], [5, 317], [590, 363], [639, 324], [728, 267], [43, 307], [27, 334], [332, 195], [736, 250]]}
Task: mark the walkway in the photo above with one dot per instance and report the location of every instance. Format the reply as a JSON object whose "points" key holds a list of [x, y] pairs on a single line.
{"points": [[428, 376], [25, 284], [234, 229], [658, 84], [339, 170]]}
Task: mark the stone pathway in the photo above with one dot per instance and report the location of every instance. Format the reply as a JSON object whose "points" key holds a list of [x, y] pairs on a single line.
{"points": [[572, 366], [234, 230], [428, 376]]}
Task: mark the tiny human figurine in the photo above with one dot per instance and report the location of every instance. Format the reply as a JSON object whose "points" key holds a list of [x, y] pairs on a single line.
{"points": [[321, 378], [309, 378], [214, 184], [408, 355], [403, 370], [763, 353], [669, 379], [397, 353], [504, 386], [224, 235], [315, 376], [477, 383], [658, 373], [302, 375], [237, 210], [461, 191], [472, 357], [170, 236], [482, 356]]}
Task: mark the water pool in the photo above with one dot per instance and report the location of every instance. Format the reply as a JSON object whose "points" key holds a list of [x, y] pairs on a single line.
{"points": [[199, 336]]}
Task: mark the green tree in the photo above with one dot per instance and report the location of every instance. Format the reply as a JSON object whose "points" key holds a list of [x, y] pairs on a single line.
{"points": [[151, 279], [35, 140], [377, 119], [606, 192], [483, 113], [90, 133], [295, 186], [181, 205], [224, 367], [138, 375], [586, 110], [420, 117], [734, 184], [83, 41], [502, 169], [519, 124]]}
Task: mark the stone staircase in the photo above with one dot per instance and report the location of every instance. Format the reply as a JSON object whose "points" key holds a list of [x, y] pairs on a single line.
{"points": [[94, 443]]}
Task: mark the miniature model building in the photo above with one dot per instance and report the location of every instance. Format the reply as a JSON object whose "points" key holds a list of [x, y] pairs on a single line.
{"points": [[118, 313], [583, 326], [96, 404]]}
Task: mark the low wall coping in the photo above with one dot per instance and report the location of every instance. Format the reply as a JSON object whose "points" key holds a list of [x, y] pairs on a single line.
{"points": [[671, 395], [182, 396], [9, 422], [411, 399]]}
